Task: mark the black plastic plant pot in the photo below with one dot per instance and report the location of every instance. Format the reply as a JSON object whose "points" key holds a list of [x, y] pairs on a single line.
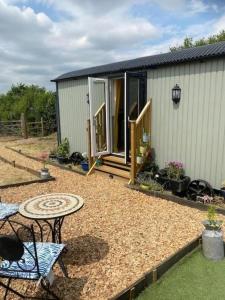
{"points": [[180, 186], [52, 156], [222, 192], [176, 186], [62, 160]]}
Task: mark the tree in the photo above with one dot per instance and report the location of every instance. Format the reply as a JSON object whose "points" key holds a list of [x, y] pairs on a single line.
{"points": [[189, 43], [35, 102]]}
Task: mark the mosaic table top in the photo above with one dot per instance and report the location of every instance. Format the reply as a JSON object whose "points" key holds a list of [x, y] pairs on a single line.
{"points": [[51, 206]]}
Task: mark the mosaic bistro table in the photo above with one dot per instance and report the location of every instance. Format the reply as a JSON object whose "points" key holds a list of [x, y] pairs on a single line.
{"points": [[49, 210]]}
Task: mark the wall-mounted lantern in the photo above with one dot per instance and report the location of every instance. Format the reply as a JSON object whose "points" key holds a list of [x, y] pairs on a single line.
{"points": [[176, 93]]}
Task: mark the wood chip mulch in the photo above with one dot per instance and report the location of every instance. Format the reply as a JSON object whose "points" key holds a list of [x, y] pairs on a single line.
{"points": [[117, 236]]}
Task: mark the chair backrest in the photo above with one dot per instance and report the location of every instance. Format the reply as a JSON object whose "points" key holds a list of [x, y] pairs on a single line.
{"points": [[11, 248], [18, 249]]}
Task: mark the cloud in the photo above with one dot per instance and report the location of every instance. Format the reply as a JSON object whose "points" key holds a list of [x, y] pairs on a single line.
{"points": [[34, 48], [219, 24]]}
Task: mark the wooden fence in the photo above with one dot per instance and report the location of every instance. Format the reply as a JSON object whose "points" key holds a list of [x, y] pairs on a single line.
{"points": [[25, 129]]}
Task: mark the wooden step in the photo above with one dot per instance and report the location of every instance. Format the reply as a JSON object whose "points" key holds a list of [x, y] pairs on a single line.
{"points": [[116, 165], [113, 171], [114, 159]]}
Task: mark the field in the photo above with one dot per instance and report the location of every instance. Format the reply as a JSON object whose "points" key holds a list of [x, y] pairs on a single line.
{"points": [[31, 146], [11, 175]]}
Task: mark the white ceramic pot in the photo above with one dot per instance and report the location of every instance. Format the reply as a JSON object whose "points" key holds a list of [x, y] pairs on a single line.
{"points": [[139, 160], [145, 138], [45, 173]]}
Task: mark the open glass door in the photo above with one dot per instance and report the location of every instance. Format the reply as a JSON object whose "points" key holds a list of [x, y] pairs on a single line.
{"points": [[135, 98], [99, 115]]}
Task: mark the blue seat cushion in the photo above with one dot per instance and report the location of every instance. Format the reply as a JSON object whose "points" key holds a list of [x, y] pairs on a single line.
{"points": [[7, 210], [47, 254]]}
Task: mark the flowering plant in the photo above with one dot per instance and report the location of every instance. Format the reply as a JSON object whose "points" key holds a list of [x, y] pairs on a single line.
{"points": [[175, 170], [44, 157]]}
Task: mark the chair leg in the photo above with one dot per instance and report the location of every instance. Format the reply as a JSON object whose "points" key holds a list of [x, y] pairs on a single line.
{"points": [[46, 287], [62, 266], [8, 288]]}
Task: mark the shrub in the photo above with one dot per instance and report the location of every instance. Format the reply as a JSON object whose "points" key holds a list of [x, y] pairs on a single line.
{"points": [[152, 185], [63, 149]]}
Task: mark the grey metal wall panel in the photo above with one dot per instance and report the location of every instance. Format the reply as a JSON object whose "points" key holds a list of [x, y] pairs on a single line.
{"points": [[194, 131], [74, 112]]}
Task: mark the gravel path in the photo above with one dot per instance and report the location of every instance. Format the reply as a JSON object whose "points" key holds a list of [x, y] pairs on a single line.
{"points": [[116, 237]]}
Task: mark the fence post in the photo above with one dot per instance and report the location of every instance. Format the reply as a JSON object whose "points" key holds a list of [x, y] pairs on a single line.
{"points": [[23, 126], [133, 152], [42, 127]]}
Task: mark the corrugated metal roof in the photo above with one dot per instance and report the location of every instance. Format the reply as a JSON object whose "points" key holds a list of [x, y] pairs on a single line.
{"points": [[190, 54]]}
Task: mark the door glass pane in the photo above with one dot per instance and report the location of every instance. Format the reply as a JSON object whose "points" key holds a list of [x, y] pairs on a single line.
{"points": [[137, 96], [135, 101], [117, 114], [133, 92], [99, 109]]}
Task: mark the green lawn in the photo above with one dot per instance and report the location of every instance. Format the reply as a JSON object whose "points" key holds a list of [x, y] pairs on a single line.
{"points": [[193, 278]]}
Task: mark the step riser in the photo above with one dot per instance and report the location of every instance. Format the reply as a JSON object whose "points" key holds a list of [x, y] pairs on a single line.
{"points": [[114, 159], [125, 177], [117, 166], [113, 171]]}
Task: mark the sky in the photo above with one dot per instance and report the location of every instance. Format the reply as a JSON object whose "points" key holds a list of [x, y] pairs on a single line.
{"points": [[42, 39]]}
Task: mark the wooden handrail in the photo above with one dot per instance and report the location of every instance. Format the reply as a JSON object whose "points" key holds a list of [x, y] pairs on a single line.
{"points": [[138, 127], [144, 110], [99, 110]]}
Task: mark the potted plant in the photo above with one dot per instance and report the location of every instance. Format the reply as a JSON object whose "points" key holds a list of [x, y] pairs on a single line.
{"points": [[139, 158], [44, 171], [151, 168], [174, 178], [151, 186], [222, 189], [63, 151], [84, 163], [143, 148], [53, 154], [212, 236], [99, 162]]}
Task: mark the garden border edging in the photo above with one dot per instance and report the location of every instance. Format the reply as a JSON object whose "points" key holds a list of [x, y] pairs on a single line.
{"points": [[175, 199], [155, 273], [48, 162], [33, 172]]}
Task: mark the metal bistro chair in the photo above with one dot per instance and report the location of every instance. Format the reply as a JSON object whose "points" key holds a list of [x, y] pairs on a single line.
{"points": [[24, 258], [7, 210]]}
